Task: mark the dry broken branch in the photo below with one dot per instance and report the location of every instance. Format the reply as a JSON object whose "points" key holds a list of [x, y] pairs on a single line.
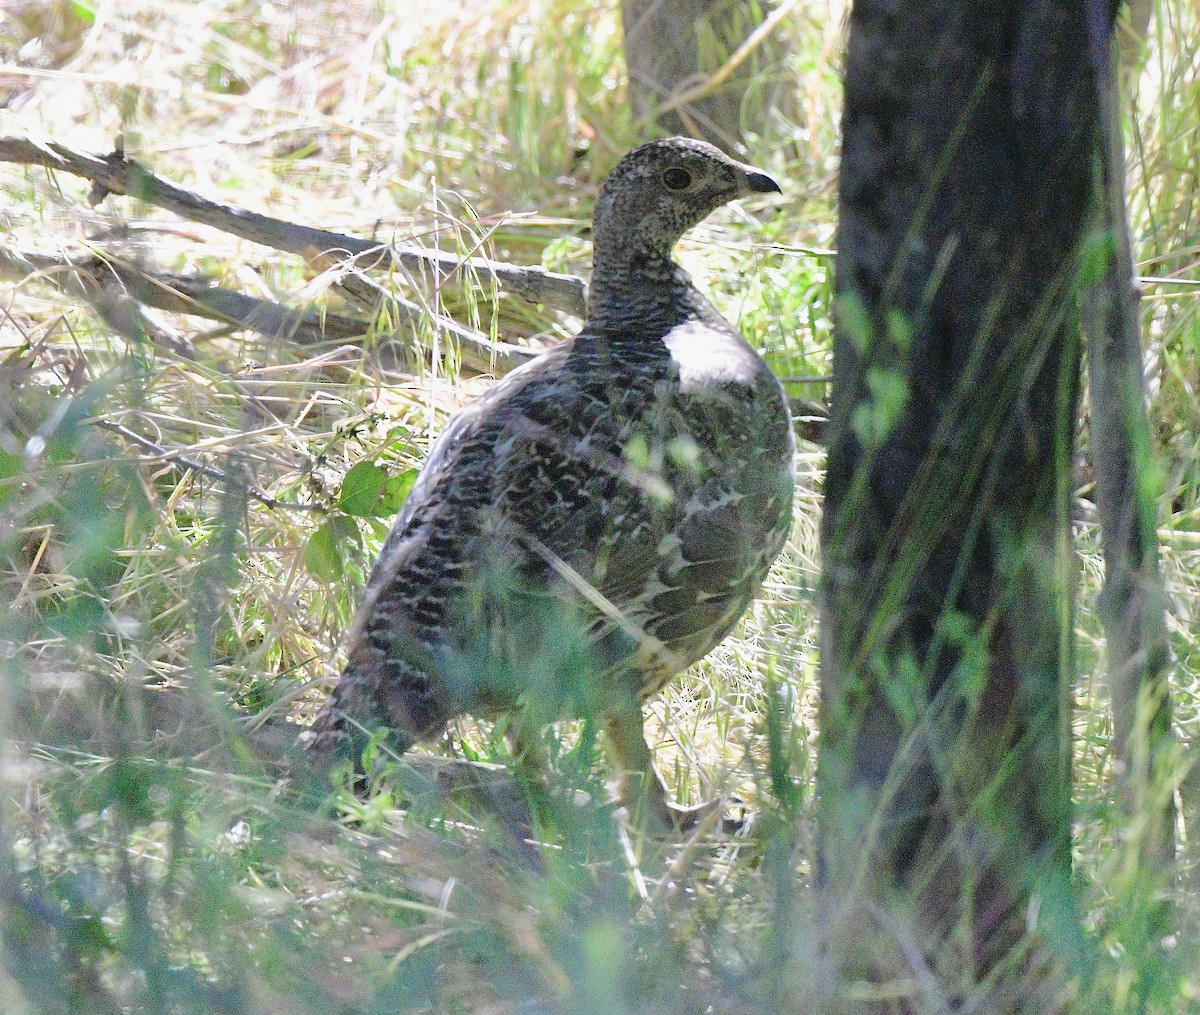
{"points": [[114, 288], [115, 174], [89, 277], [478, 352]]}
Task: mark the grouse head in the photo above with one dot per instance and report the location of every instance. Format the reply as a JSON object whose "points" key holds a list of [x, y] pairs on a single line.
{"points": [[659, 191]]}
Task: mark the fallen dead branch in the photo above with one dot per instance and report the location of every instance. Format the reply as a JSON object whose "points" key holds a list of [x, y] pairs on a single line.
{"points": [[115, 289], [116, 174], [100, 276]]}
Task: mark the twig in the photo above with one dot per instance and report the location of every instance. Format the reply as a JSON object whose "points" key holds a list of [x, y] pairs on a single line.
{"points": [[115, 174], [111, 285], [113, 290], [112, 303], [176, 456], [809, 419], [478, 351], [680, 98], [86, 277]]}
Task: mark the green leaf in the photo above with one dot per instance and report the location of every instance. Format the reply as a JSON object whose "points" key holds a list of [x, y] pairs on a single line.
{"points": [[320, 554], [326, 548], [361, 489], [396, 491], [83, 13]]}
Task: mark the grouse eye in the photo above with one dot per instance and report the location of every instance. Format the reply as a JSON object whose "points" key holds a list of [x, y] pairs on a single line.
{"points": [[677, 179]]}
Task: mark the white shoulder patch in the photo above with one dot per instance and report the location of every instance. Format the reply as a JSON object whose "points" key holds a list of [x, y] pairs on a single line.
{"points": [[708, 358]]}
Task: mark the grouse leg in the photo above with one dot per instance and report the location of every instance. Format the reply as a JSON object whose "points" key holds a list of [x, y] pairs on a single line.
{"points": [[639, 786]]}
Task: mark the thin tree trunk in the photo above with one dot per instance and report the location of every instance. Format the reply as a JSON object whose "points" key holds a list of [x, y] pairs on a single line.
{"points": [[677, 53], [969, 133], [1132, 604]]}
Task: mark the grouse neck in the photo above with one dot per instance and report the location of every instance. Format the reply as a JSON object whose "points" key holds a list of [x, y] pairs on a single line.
{"points": [[643, 295]]}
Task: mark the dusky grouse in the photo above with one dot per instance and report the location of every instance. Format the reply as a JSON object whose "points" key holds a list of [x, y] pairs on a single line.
{"points": [[598, 520]]}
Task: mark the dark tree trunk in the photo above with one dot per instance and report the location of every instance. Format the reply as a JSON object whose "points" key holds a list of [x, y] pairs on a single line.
{"points": [[673, 48], [969, 143]]}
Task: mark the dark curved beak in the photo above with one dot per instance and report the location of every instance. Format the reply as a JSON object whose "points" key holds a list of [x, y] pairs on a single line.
{"points": [[761, 183]]}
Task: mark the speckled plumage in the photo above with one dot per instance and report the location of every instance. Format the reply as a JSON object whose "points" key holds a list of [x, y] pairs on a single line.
{"points": [[599, 519]]}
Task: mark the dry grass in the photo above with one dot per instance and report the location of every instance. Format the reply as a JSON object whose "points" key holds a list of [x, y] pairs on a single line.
{"points": [[204, 887]]}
